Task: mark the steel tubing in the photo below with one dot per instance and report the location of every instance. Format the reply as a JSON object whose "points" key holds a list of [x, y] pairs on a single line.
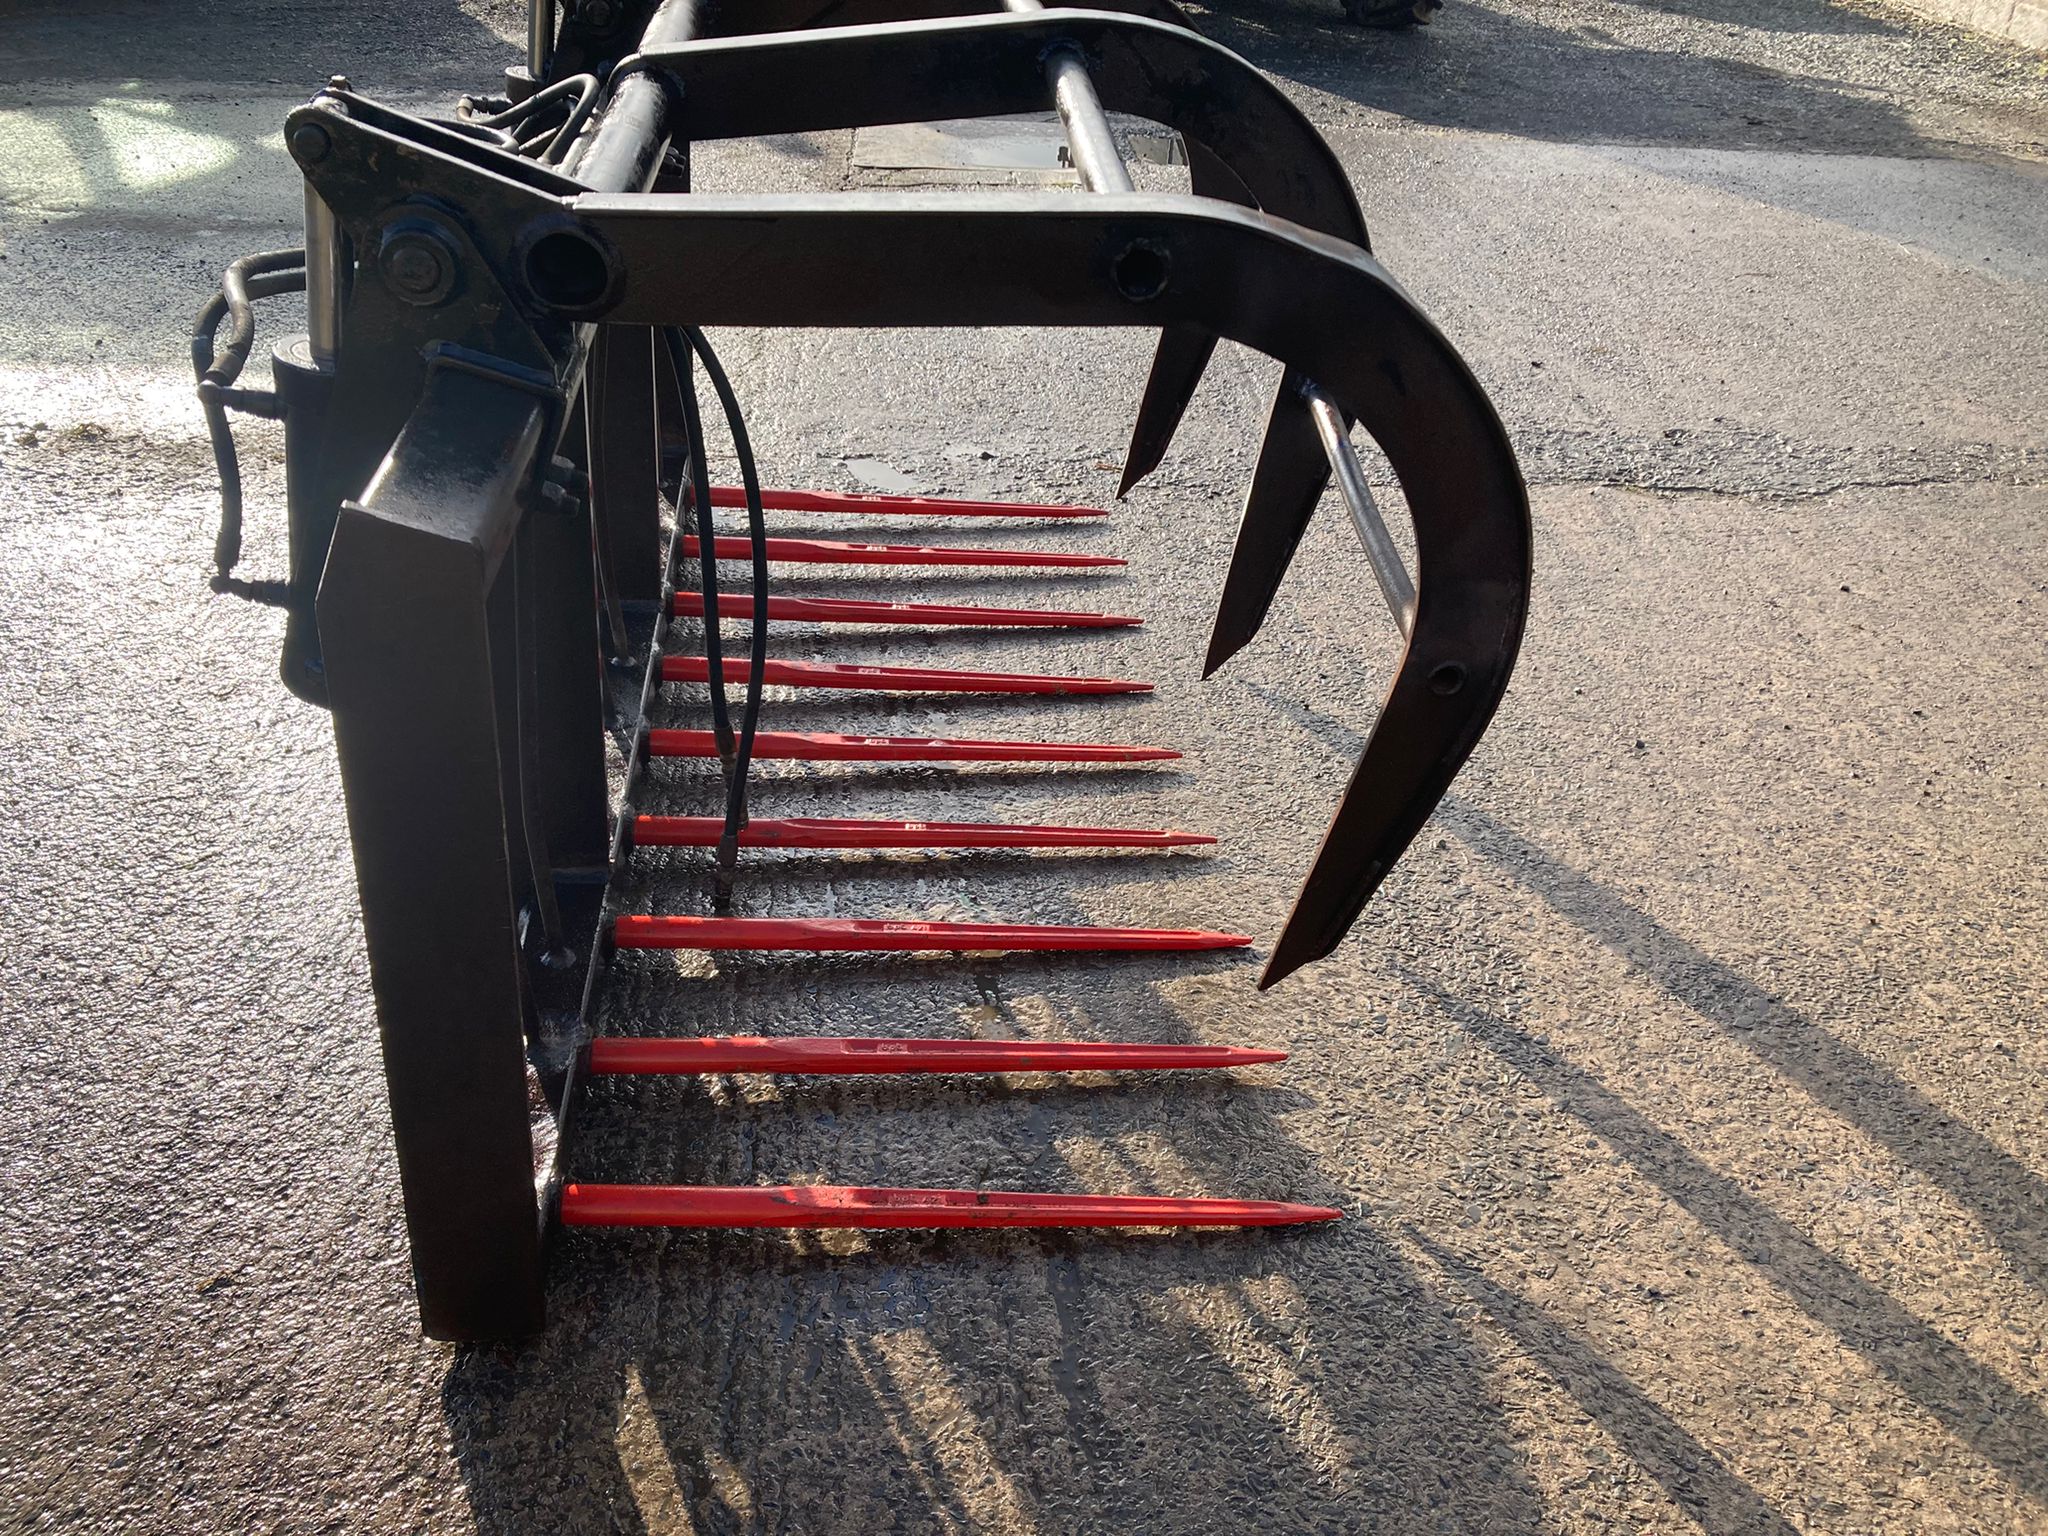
{"points": [[1387, 569]]}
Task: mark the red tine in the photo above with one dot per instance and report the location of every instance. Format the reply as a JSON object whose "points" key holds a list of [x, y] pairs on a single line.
{"points": [[864, 935], [896, 506], [836, 1205], [829, 746], [838, 552], [840, 610], [834, 832], [833, 674]]}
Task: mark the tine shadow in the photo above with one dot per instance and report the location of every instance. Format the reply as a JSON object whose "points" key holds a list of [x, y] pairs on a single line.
{"points": [[839, 968], [1696, 1479], [2010, 1199], [675, 776], [1997, 1420], [723, 1099]]}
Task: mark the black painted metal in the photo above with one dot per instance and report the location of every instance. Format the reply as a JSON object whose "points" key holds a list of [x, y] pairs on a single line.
{"points": [[1286, 484], [491, 443], [992, 65], [897, 260], [414, 663], [618, 394]]}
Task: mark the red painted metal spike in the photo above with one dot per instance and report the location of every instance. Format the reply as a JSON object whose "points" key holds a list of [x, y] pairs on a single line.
{"points": [[866, 935], [838, 552], [834, 674], [839, 610], [895, 506], [837, 1205], [831, 747], [838, 1056], [831, 832]]}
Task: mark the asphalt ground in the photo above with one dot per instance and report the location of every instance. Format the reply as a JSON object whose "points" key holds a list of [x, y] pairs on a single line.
{"points": [[1683, 1089]]}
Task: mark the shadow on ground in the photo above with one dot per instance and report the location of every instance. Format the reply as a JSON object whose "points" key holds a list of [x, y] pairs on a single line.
{"points": [[909, 1382], [1495, 70]]}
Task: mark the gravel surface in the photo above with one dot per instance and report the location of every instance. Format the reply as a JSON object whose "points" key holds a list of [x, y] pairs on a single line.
{"points": [[1684, 1088]]}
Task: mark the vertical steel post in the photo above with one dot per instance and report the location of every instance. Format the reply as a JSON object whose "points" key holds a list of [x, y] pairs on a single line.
{"points": [[568, 687], [414, 649], [618, 394]]}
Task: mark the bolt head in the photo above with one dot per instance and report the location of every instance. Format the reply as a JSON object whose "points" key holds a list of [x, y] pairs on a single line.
{"points": [[338, 83], [310, 143], [418, 263]]}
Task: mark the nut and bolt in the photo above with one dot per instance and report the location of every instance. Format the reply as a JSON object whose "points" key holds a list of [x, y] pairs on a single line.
{"points": [[418, 262], [562, 484]]}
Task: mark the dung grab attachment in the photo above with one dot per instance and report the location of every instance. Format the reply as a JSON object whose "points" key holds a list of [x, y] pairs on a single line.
{"points": [[497, 402]]}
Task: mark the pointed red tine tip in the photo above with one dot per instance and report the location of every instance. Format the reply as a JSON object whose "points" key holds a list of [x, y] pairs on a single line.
{"points": [[833, 674], [900, 506], [837, 1205], [839, 552], [840, 610], [814, 1055], [830, 832], [830, 746], [864, 935]]}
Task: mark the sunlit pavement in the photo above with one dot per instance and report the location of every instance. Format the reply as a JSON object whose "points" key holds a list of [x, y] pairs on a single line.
{"points": [[1685, 1088]]}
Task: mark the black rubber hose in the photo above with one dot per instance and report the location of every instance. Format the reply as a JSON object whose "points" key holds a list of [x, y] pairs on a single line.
{"points": [[707, 549], [213, 362], [218, 366], [550, 144], [757, 661]]}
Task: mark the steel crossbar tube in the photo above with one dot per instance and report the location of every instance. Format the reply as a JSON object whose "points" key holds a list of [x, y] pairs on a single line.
{"points": [[624, 148], [1387, 569], [1102, 169], [1089, 138]]}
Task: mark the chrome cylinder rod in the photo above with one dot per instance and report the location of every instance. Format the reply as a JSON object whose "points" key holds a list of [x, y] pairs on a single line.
{"points": [[540, 39], [323, 280], [1387, 569]]}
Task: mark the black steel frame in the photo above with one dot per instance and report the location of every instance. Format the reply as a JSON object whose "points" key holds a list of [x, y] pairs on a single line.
{"points": [[475, 485]]}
